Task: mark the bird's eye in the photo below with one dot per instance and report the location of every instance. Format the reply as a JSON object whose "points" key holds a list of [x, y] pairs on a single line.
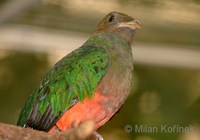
{"points": [[111, 18]]}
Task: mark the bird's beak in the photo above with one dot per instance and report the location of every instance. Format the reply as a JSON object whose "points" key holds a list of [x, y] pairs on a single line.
{"points": [[134, 24]]}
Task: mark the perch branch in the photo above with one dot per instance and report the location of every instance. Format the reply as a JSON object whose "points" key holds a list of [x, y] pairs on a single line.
{"points": [[11, 132]]}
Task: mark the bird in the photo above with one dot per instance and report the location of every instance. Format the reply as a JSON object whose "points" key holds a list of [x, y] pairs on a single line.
{"points": [[90, 83]]}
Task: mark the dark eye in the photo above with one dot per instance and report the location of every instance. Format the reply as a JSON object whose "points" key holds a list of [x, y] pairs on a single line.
{"points": [[111, 18]]}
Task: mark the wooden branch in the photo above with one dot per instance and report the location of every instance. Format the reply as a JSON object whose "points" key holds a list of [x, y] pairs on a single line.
{"points": [[11, 132]]}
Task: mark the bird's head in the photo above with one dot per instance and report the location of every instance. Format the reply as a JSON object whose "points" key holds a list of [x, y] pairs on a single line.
{"points": [[119, 24]]}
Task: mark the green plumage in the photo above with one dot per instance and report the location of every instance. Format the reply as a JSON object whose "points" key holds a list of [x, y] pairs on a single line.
{"points": [[74, 77], [104, 62]]}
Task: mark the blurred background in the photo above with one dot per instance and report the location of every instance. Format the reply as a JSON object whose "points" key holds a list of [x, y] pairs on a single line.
{"points": [[35, 34]]}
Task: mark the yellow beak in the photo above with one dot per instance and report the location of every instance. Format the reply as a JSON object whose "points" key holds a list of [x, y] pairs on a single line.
{"points": [[134, 24]]}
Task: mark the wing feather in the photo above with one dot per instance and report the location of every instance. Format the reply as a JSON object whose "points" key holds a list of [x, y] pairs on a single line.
{"points": [[72, 79]]}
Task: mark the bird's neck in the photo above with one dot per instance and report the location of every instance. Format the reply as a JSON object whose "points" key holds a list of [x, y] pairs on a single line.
{"points": [[126, 35], [113, 44], [119, 35], [110, 40]]}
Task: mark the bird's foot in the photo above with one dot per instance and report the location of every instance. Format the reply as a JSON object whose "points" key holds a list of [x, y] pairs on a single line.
{"points": [[97, 136]]}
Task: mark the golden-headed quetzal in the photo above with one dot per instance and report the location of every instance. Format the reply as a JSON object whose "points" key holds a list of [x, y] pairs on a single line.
{"points": [[90, 83]]}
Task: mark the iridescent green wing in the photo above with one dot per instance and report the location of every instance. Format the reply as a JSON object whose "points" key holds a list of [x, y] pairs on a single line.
{"points": [[72, 79]]}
